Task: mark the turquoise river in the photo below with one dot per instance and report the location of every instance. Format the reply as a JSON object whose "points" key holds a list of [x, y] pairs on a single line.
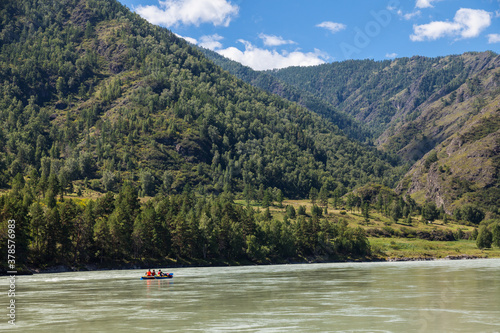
{"points": [[426, 296]]}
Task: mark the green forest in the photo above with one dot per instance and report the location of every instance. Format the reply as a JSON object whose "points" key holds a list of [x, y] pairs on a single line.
{"points": [[118, 229], [439, 115], [120, 142], [94, 97], [352, 127], [367, 89]]}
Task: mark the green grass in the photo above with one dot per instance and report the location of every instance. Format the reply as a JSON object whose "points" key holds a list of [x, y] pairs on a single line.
{"points": [[419, 248]]}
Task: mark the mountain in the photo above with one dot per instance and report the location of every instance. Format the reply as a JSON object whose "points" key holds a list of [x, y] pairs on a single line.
{"points": [[424, 107], [93, 95], [391, 95], [261, 79], [414, 106], [463, 167], [98, 108]]}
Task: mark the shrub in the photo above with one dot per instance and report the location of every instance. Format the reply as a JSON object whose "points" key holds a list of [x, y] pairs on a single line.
{"points": [[484, 238]]}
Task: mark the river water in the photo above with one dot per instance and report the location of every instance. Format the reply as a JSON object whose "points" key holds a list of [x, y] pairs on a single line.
{"points": [[431, 296]]}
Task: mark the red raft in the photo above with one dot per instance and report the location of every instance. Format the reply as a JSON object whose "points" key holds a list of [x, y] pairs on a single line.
{"points": [[158, 277]]}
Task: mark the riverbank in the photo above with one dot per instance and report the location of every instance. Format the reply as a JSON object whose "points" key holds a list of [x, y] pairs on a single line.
{"points": [[172, 264], [382, 248], [402, 248]]}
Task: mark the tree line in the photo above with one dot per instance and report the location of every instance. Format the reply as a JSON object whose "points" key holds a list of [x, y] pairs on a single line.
{"points": [[187, 226]]}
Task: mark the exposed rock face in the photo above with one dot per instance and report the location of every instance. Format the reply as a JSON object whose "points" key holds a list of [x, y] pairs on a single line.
{"points": [[445, 112], [462, 131], [467, 168]]}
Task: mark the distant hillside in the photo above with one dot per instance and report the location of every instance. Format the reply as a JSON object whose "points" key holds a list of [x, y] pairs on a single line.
{"points": [[423, 105], [413, 106], [388, 94], [352, 127], [447, 110], [464, 166], [92, 95]]}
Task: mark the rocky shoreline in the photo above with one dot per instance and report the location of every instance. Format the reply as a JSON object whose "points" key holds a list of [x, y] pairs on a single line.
{"points": [[449, 257]]}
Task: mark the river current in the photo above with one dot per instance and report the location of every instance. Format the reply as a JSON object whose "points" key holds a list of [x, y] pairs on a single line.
{"points": [[430, 296]]}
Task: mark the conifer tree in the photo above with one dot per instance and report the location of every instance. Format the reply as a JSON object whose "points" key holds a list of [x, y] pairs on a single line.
{"points": [[313, 195], [323, 196]]}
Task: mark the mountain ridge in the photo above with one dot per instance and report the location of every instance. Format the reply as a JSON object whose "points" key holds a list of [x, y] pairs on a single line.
{"points": [[117, 99], [415, 104]]}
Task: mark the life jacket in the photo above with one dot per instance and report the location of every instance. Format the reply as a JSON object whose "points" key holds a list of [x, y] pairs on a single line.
{"points": [[149, 273]]}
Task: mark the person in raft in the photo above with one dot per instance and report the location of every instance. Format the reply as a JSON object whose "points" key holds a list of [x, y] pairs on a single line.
{"points": [[148, 273], [160, 273], [153, 273]]}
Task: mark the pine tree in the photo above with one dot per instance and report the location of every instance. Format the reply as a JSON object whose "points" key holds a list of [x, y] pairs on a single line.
{"points": [[267, 200], [313, 195], [36, 215], [290, 212], [267, 214], [474, 234], [279, 198], [323, 196], [366, 211]]}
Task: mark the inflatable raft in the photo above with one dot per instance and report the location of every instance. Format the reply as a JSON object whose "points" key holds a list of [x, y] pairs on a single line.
{"points": [[158, 277]]}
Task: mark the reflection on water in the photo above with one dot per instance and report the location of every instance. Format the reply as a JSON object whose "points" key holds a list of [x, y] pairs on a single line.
{"points": [[439, 296]]}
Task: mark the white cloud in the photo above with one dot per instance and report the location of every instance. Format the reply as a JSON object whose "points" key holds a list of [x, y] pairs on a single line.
{"points": [[332, 26], [211, 42], [467, 23], [473, 20], [262, 59], [391, 55], [434, 30], [425, 3], [174, 12], [188, 39], [271, 40], [497, 13], [493, 38], [408, 16]]}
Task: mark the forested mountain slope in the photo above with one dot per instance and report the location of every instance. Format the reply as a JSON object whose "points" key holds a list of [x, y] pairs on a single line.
{"points": [[90, 91], [421, 105], [261, 79], [388, 94], [414, 105], [95, 99]]}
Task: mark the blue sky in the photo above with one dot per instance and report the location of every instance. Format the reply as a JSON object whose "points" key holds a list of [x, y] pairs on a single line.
{"points": [[281, 33]]}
